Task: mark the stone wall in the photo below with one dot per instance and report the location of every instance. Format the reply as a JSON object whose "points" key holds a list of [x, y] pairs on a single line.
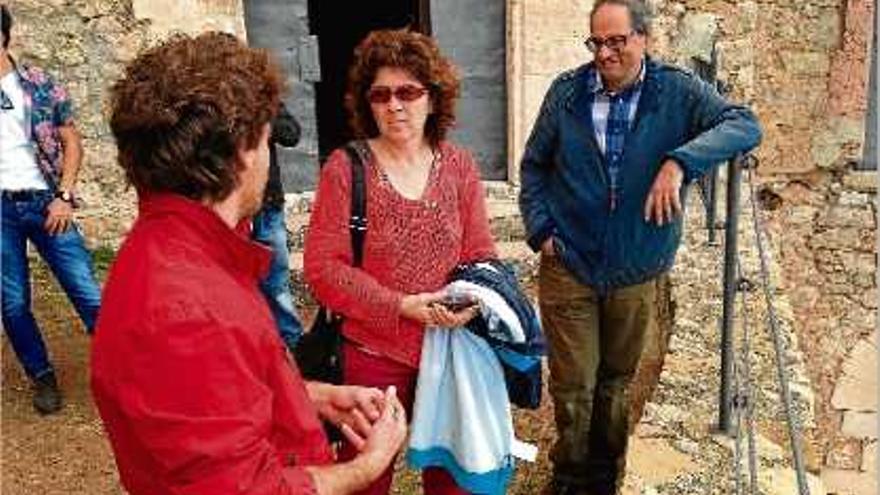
{"points": [[190, 16], [801, 65], [85, 44], [824, 232], [545, 37]]}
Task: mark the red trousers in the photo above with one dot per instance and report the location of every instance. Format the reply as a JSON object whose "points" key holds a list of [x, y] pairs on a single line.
{"points": [[370, 370]]}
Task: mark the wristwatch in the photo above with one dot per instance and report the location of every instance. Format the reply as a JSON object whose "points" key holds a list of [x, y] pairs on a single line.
{"points": [[64, 195]]}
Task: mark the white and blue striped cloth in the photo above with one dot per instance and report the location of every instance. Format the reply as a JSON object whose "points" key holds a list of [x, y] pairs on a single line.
{"points": [[462, 418]]}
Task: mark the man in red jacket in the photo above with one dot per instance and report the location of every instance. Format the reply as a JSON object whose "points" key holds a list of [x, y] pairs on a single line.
{"points": [[196, 390]]}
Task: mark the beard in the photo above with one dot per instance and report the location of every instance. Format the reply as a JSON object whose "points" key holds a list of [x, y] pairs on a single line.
{"points": [[252, 199], [254, 204]]}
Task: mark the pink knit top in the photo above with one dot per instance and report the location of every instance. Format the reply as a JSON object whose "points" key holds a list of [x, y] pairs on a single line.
{"points": [[410, 247]]}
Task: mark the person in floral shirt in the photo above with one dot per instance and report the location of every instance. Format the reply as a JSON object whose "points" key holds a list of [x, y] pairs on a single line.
{"points": [[40, 155]]}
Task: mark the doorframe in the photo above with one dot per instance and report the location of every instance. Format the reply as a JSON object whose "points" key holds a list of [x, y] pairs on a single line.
{"points": [[424, 21], [869, 146], [515, 62]]}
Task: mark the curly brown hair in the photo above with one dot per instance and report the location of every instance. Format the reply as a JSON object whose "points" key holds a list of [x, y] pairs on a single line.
{"points": [[415, 53], [182, 109]]}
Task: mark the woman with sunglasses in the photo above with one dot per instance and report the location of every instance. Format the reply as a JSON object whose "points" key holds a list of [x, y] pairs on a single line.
{"points": [[426, 213]]}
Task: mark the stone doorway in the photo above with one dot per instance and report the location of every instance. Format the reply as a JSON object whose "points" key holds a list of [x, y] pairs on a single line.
{"points": [[340, 25], [314, 40]]}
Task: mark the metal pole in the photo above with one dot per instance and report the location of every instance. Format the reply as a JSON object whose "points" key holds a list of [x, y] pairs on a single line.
{"points": [[734, 177], [778, 345], [712, 205], [712, 194]]}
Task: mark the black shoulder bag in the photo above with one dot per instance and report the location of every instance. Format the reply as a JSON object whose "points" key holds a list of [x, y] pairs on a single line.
{"points": [[318, 354]]}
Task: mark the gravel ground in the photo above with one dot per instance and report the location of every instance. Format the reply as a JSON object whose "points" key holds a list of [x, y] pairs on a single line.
{"points": [[68, 453], [63, 453], [683, 411]]}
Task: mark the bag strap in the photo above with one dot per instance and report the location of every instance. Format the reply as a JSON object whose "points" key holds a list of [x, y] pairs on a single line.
{"points": [[357, 224]]}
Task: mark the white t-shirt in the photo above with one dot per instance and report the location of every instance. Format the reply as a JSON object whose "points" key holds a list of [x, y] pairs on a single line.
{"points": [[18, 161]]}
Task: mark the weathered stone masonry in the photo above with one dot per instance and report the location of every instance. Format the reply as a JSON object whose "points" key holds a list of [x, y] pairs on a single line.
{"points": [[802, 65]]}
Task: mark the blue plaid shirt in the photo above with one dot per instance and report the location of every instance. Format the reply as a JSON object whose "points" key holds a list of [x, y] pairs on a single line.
{"points": [[613, 116]]}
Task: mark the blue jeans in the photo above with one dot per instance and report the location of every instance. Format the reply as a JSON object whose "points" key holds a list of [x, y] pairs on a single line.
{"points": [[68, 259], [269, 229]]}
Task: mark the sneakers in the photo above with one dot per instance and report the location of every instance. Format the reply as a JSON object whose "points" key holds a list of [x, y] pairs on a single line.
{"points": [[47, 396]]}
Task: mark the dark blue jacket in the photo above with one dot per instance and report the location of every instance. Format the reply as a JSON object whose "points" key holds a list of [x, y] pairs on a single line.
{"points": [[520, 361], [564, 190]]}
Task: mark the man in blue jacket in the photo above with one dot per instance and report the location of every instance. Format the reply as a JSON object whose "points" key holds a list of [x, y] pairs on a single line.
{"points": [[601, 200]]}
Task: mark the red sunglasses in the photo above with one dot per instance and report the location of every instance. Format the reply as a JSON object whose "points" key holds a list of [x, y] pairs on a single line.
{"points": [[406, 92]]}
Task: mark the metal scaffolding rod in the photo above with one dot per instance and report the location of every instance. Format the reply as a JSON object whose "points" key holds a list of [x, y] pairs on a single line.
{"points": [[725, 403]]}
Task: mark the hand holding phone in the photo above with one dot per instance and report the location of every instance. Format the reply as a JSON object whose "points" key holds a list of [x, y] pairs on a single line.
{"points": [[456, 302]]}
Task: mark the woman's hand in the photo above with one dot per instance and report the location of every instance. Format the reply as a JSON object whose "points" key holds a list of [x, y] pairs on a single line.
{"points": [[445, 318], [428, 309], [418, 307]]}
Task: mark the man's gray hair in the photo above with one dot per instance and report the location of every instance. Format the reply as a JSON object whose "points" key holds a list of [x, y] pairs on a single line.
{"points": [[639, 13]]}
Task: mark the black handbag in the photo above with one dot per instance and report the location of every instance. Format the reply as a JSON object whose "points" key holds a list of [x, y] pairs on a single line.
{"points": [[318, 353]]}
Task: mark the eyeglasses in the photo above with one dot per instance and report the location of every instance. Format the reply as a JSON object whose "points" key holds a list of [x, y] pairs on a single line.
{"points": [[614, 43], [5, 101], [406, 93]]}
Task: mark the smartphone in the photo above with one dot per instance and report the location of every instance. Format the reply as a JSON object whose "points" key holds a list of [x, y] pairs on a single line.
{"points": [[458, 302]]}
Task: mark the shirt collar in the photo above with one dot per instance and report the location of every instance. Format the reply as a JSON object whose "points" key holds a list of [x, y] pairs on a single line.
{"points": [[599, 85]]}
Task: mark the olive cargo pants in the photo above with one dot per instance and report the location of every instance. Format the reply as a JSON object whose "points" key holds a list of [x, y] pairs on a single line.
{"points": [[594, 346]]}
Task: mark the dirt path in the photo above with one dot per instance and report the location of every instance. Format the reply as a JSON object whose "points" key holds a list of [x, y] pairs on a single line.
{"points": [[64, 453]]}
